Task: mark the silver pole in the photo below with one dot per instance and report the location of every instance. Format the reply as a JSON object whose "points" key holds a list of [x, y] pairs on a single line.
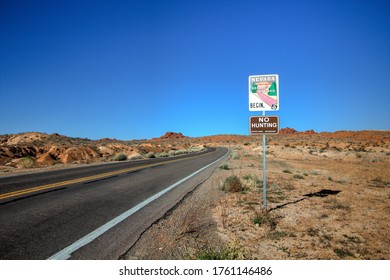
{"points": [[264, 171]]}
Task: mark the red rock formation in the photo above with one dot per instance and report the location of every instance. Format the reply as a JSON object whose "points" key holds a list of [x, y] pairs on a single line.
{"points": [[46, 159], [172, 135], [288, 130], [310, 131]]}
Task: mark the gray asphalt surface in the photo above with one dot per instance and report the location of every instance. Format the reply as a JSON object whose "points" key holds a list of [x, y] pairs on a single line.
{"points": [[39, 224]]}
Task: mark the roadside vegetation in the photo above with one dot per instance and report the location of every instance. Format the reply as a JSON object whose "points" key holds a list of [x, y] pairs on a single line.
{"points": [[120, 157], [227, 251], [27, 162]]}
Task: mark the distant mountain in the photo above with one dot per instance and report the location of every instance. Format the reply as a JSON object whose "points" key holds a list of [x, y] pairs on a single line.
{"points": [[173, 135]]}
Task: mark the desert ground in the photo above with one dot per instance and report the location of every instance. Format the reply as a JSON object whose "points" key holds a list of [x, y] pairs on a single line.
{"points": [[328, 194], [328, 197]]}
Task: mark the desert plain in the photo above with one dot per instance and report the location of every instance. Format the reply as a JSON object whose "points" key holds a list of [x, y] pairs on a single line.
{"points": [[328, 193]]}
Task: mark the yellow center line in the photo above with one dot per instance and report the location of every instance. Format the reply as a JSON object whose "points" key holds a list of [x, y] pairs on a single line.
{"points": [[84, 179]]}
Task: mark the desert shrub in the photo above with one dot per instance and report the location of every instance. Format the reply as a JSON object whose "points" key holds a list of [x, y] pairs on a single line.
{"points": [[335, 204], [252, 181], [119, 157], [277, 235], [339, 205], [191, 221], [224, 167], [360, 149], [287, 171], [180, 152], [27, 162], [353, 239], [229, 251], [136, 157], [197, 149], [232, 184], [235, 156], [265, 218], [298, 176], [150, 155], [163, 154], [259, 220], [342, 181], [313, 232], [276, 193], [337, 148], [343, 252]]}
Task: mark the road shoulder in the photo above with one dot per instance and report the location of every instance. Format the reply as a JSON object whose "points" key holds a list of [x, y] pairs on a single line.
{"points": [[187, 228]]}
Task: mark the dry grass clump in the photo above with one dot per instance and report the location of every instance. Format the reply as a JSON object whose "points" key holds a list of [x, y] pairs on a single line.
{"points": [[224, 166], [253, 182], [228, 251], [335, 204], [119, 157], [191, 221], [232, 184], [150, 155], [27, 162], [265, 218]]}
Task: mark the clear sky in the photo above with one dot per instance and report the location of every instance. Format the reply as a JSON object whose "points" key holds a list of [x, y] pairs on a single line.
{"points": [[136, 69]]}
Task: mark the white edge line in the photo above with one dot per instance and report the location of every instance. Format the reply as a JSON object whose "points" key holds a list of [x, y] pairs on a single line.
{"points": [[66, 253]]}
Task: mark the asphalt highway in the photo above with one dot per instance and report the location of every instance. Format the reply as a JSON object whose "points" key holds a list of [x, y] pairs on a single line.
{"points": [[94, 212]]}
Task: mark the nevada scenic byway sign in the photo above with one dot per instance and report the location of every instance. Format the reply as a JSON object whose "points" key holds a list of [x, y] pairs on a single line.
{"points": [[264, 92]]}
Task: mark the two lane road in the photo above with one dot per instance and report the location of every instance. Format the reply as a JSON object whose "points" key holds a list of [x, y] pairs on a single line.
{"points": [[94, 212]]}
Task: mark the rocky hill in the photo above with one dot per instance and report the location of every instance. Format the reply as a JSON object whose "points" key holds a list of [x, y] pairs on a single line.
{"points": [[35, 149], [288, 130], [173, 135]]}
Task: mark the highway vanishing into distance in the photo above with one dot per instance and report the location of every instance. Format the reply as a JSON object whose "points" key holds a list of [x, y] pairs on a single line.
{"points": [[94, 212]]}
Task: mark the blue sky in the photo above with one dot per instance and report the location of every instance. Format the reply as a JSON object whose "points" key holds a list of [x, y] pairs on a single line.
{"points": [[136, 69]]}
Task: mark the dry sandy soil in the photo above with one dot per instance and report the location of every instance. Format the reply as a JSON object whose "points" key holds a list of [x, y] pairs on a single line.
{"points": [[328, 197], [328, 194]]}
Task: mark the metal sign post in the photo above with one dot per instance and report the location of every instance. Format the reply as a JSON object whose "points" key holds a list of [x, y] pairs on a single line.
{"points": [[264, 172], [262, 126], [264, 96]]}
